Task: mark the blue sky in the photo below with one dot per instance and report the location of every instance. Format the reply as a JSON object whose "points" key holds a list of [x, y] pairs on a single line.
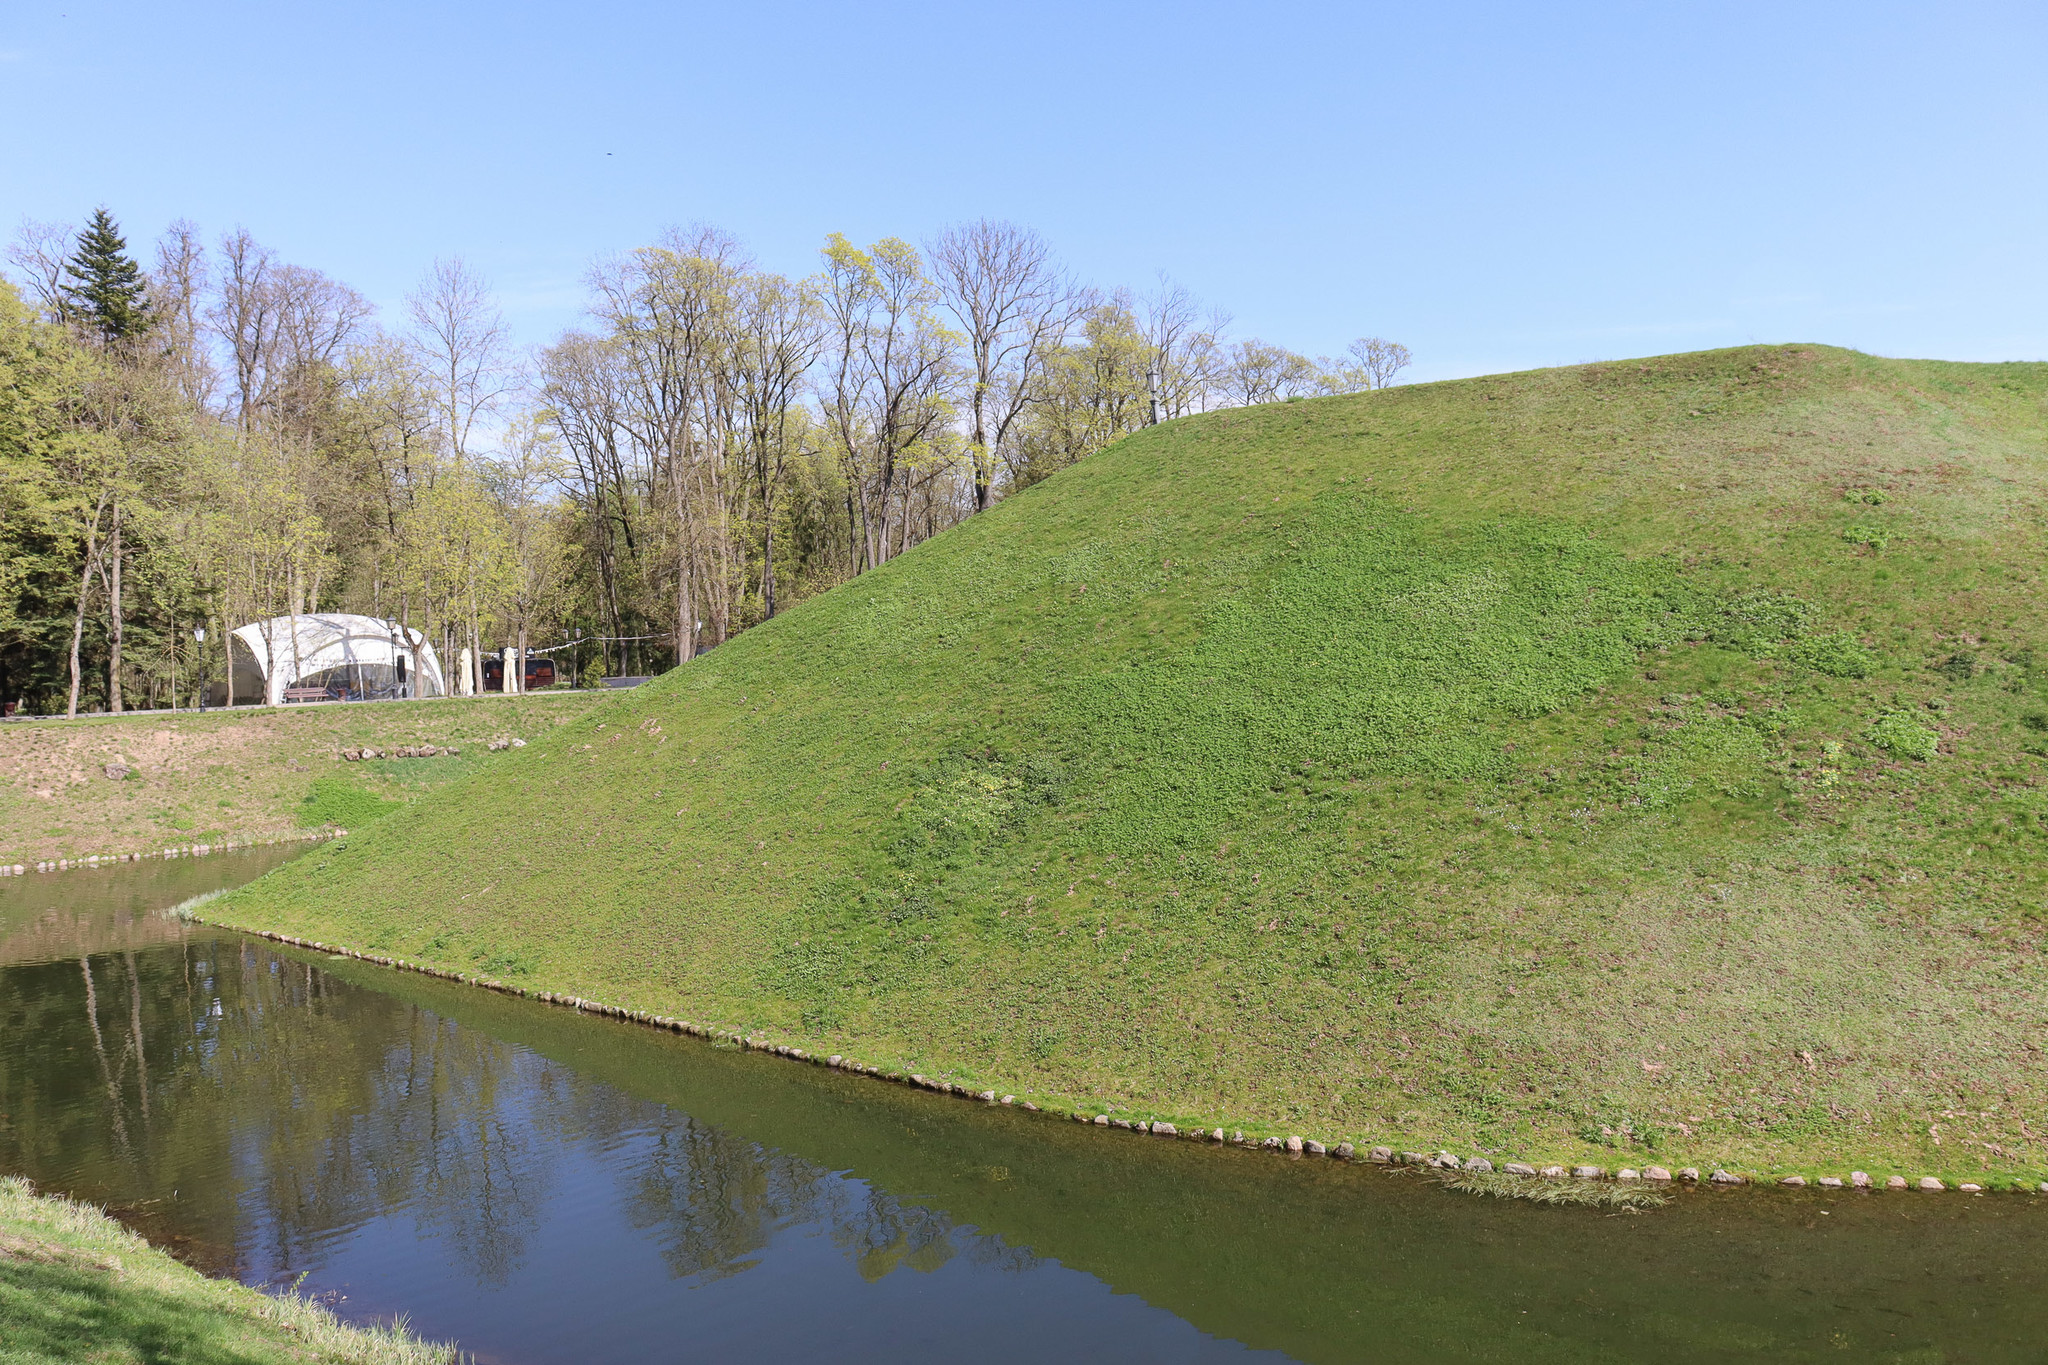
{"points": [[1499, 186]]}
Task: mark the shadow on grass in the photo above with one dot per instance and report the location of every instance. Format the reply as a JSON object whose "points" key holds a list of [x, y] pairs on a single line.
{"points": [[56, 1308]]}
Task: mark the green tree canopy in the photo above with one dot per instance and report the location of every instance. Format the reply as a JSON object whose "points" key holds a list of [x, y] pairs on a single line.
{"points": [[105, 284]]}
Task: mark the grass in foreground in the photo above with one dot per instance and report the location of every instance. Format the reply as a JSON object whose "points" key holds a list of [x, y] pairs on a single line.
{"points": [[77, 1286], [1630, 763]]}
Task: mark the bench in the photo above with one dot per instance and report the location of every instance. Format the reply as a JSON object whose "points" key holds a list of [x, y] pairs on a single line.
{"points": [[305, 694]]}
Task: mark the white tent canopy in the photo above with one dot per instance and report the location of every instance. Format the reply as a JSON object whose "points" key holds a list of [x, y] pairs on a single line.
{"points": [[354, 656]]}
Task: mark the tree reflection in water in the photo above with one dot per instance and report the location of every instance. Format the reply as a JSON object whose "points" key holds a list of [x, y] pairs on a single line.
{"points": [[285, 1109], [715, 1199]]}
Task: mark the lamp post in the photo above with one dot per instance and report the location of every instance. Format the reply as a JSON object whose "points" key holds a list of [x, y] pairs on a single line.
{"points": [[199, 666]]}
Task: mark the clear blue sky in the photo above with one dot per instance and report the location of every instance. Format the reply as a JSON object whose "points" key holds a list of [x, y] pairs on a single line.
{"points": [[1500, 186]]}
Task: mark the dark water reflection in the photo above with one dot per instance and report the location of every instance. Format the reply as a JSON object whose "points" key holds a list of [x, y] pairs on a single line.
{"points": [[544, 1187]]}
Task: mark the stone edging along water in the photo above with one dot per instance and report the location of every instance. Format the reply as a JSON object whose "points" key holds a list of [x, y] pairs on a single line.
{"points": [[1293, 1145], [176, 851]]}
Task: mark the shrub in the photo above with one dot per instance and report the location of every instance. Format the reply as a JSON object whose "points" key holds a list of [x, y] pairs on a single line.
{"points": [[1958, 667], [1898, 733], [1754, 622], [1876, 537], [1838, 654]]}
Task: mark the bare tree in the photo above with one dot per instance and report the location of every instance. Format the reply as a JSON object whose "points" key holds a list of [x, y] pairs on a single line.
{"points": [[777, 333], [665, 309], [890, 368], [177, 289], [1187, 347], [39, 252], [284, 326], [243, 316], [1256, 372], [461, 339], [1014, 308], [585, 388], [1379, 360]]}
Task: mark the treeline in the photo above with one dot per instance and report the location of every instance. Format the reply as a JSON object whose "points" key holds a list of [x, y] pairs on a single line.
{"points": [[224, 436]]}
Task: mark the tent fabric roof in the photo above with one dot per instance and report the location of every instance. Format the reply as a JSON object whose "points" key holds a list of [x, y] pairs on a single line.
{"points": [[288, 648]]}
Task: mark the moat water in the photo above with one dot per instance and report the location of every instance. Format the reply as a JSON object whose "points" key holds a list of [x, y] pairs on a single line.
{"points": [[544, 1187]]}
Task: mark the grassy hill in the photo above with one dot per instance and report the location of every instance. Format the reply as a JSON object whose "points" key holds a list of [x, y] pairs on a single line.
{"points": [[1633, 762]]}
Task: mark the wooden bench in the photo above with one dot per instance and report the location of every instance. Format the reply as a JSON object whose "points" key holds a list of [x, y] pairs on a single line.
{"points": [[305, 694]]}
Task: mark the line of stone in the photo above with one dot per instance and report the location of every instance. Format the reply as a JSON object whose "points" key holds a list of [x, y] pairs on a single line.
{"points": [[1293, 1145], [177, 851]]}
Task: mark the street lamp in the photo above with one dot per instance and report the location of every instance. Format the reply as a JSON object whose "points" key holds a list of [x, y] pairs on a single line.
{"points": [[199, 638]]}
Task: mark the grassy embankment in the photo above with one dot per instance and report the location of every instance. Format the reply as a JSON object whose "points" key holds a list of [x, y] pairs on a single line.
{"points": [[243, 774], [1631, 763], [76, 1285]]}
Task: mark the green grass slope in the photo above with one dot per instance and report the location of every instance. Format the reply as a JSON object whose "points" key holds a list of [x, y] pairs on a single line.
{"points": [[76, 1285], [1634, 762]]}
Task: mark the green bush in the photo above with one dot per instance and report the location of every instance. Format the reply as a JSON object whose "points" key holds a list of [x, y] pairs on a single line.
{"points": [[1755, 621], [1958, 667], [1876, 537], [1838, 654], [1897, 732]]}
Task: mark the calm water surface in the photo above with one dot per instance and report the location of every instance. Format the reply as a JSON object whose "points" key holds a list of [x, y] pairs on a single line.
{"points": [[547, 1188]]}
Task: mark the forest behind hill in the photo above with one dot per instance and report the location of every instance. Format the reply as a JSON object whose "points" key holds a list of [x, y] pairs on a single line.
{"points": [[221, 435]]}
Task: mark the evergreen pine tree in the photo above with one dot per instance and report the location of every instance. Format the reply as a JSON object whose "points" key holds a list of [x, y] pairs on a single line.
{"points": [[104, 285]]}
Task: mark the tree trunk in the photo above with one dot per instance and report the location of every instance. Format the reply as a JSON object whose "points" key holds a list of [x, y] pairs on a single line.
{"points": [[686, 620], [227, 657], [114, 618], [984, 460], [855, 538], [294, 618], [93, 561], [78, 632]]}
